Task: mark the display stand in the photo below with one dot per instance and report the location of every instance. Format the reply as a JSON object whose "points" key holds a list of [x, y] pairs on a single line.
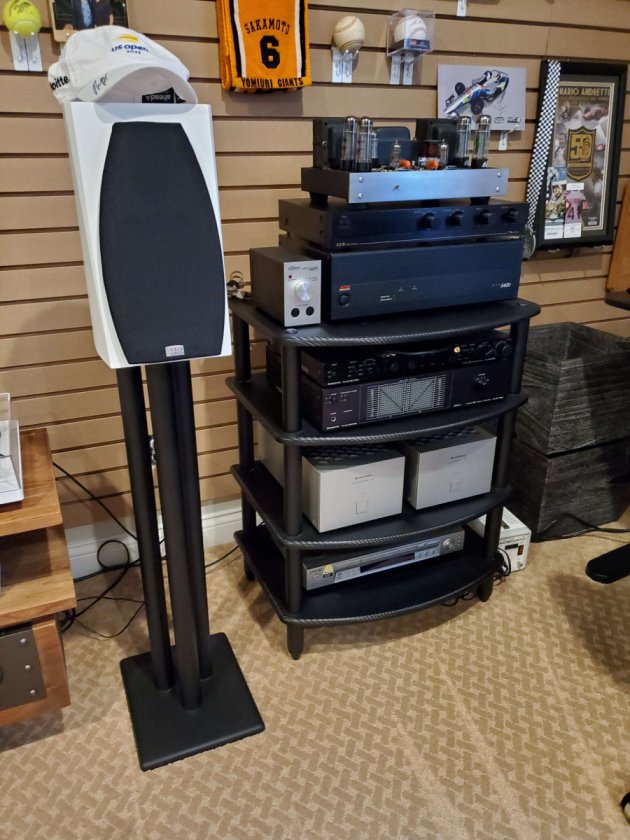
{"points": [[192, 696], [273, 550]]}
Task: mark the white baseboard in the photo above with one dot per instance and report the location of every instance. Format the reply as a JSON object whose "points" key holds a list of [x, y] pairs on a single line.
{"points": [[219, 521]]}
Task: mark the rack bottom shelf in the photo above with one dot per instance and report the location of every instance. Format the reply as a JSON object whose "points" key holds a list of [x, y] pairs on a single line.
{"points": [[385, 595]]}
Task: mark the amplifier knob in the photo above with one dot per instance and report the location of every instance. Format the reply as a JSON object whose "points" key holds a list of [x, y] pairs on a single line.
{"points": [[504, 349], [511, 215], [302, 290], [428, 220], [485, 217], [456, 218], [447, 544], [343, 299], [393, 367]]}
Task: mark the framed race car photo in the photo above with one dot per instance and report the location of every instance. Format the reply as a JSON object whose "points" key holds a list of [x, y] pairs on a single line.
{"points": [[495, 91], [579, 191]]}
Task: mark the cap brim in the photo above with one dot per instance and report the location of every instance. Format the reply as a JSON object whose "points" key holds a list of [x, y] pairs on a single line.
{"points": [[137, 82]]}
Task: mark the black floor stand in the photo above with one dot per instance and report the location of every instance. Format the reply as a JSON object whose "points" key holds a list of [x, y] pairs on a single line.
{"points": [[192, 696]]}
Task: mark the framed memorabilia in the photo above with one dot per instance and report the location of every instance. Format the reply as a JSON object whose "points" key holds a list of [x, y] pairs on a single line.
{"points": [[68, 16], [577, 201]]}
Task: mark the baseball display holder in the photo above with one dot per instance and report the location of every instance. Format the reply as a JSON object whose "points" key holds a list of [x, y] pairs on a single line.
{"points": [[410, 34], [145, 183], [347, 39]]}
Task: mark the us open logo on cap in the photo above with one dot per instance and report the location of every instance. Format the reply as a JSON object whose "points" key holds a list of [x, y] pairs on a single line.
{"points": [[130, 45], [174, 350]]}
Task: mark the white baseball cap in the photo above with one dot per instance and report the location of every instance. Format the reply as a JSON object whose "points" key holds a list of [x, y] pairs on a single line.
{"points": [[114, 64]]}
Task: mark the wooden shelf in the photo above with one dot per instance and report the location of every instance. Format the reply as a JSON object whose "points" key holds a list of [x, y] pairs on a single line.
{"points": [[36, 582], [36, 579], [40, 507]]}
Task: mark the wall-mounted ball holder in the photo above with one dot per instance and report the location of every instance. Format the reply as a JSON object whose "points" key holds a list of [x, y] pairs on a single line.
{"points": [[347, 39], [410, 35], [23, 21]]}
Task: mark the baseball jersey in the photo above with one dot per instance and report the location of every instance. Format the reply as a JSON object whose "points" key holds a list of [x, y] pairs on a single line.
{"points": [[263, 46]]}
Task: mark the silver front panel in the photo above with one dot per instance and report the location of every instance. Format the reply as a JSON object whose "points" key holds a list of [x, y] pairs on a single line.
{"points": [[366, 187]]}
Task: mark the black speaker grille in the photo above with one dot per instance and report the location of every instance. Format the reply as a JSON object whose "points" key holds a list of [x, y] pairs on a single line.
{"points": [[160, 248]]}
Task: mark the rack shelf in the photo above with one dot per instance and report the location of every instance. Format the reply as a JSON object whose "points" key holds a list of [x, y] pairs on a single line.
{"points": [[273, 551], [264, 404], [267, 496], [386, 595], [430, 325]]}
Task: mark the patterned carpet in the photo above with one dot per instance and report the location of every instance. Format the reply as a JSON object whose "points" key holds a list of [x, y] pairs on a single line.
{"points": [[509, 719]]}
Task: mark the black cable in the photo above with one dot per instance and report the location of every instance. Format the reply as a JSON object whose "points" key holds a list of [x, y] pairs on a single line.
{"points": [[112, 635], [70, 616], [590, 528], [227, 554], [97, 500]]}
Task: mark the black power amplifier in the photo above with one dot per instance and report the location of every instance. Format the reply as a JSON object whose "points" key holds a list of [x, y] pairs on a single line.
{"points": [[341, 406], [340, 226], [347, 365], [362, 284]]}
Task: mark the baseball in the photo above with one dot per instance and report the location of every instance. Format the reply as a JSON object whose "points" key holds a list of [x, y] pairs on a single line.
{"points": [[349, 34], [410, 26]]}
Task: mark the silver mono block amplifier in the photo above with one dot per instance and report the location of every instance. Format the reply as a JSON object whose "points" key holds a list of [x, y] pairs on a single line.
{"points": [[286, 286]]}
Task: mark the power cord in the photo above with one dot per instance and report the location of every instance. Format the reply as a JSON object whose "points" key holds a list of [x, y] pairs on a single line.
{"points": [[72, 616], [588, 529]]}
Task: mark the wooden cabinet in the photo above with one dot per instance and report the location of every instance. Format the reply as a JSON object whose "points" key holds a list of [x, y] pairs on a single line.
{"points": [[35, 585]]}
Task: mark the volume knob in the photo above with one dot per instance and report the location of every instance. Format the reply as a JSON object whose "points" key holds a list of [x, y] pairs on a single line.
{"points": [[428, 220], [456, 218], [302, 290], [485, 217]]}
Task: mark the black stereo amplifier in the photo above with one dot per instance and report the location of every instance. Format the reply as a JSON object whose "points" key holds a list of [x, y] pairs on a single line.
{"points": [[340, 226], [341, 406], [346, 365], [362, 284]]}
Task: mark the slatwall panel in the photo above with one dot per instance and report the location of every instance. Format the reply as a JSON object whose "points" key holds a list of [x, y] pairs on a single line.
{"points": [[47, 360]]}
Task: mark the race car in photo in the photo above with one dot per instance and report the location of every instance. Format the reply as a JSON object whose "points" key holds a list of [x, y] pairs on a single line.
{"points": [[484, 89]]}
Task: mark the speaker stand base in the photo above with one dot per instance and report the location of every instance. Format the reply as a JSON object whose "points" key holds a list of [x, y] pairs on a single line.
{"points": [[165, 731]]}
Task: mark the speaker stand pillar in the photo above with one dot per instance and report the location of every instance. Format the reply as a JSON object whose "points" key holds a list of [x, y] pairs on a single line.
{"points": [[192, 696]]}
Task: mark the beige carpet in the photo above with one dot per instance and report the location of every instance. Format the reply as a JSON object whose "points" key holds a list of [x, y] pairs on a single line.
{"points": [[509, 719]]}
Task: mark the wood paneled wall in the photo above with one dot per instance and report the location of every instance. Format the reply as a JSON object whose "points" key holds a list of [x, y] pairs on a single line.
{"points": [[47, 359]]}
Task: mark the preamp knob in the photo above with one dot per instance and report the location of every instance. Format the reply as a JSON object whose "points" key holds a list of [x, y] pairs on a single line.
{"points": [[447, 544], [428, 220], [485, 217], [302, 290], [393, 367], [456, 218], [504, 349], [511, 215]]}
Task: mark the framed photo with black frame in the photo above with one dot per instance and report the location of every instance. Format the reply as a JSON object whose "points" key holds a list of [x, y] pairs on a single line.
{"points": [[577, 201]]}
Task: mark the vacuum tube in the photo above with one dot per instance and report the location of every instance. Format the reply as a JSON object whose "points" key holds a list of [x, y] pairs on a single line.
{"points": [[348, 143], [463, 138], [363, 160], [482, 142]]}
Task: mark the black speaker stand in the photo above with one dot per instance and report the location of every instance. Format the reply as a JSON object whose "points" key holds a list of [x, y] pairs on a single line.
{"points": [[191, 696]]}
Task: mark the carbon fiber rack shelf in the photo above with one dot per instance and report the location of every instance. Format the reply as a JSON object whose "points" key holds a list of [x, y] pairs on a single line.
{"points": [[273, 550]]}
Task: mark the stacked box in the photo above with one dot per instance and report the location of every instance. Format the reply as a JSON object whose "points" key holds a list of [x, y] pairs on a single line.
{"points": [[572, 449]]}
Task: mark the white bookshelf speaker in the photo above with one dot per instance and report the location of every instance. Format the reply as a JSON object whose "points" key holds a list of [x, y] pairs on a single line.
{"points": [[147, 200]]}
